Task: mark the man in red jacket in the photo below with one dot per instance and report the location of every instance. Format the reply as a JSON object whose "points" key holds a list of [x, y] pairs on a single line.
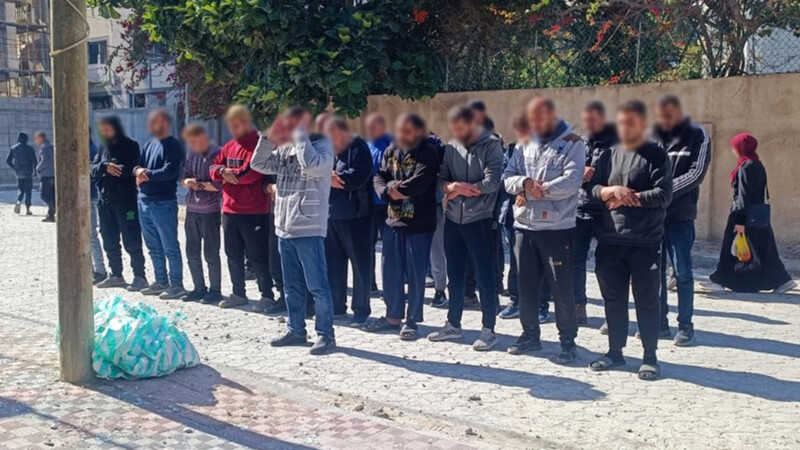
{"points": [[245, 207]]}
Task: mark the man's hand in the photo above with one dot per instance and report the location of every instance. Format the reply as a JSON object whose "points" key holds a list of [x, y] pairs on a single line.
{"points": [[521, 200], [463, 189], [191, 183], [141, 176], [535, 188], [207, 186], [278, 132], [336, 181], [229, 176], [114, 170], [395, 194], [450, 196], [271, 190], [588, 173]]}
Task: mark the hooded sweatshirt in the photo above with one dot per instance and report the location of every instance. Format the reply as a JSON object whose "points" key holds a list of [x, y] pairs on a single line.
{"points": [[22, 158], [123, 151], [596, 145], [163, 159], [198, 166], [689, 149], [557, 160], [46, 165], [646, 170], [354, 167], [303, 166], [415, 172], [481, 164], [247, 197]]}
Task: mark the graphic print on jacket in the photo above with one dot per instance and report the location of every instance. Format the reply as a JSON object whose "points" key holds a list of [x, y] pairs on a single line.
{"points": [[403, 164]]}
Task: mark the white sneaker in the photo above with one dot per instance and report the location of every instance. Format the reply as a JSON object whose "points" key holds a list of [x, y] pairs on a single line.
{"points": [[785, 287], [447, 333], [485, 341], [710, 286]]}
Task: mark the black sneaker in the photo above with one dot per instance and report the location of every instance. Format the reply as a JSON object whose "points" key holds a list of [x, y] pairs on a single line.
{"points": [[323, 345], [471, 302], [233, 301], [524, 345], [276, 307], [212, 298], [250, 275], [155, 289], [138, 284], [112, 282], [194, 295], [665, 332], [567, 356], [98, 277], [289, 338], [685, 336], [172, 293], [439, 300]]}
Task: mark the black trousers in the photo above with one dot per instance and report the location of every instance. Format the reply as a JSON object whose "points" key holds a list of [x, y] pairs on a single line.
{"points": [[618, 268], [248, 235], [546, 255], [121, 218], [345, 244], [25, 187], [47, 190], [202, 237]]}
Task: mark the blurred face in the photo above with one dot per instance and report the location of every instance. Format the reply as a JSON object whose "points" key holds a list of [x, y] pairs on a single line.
{"points": [[38, 139], [592, 121], [339, 138], [238, 127], [406, 135], [522, 133], [158, 126], [668, 116], [376, 127], [480, 116], [631, 128], [198, 143], [303, 120], [106, 131], [541, 118], [463, 131]]}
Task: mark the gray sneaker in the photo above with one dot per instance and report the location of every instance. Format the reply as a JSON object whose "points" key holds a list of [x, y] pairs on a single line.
{"points": [[155, 289], [447, 333], [685, 336], [785, 287], [485, 341], [112, 282], [172, 293], [139, 283], [232, 301]]}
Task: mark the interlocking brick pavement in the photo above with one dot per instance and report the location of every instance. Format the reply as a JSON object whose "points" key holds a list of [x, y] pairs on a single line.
{"points": [[738, 388]]}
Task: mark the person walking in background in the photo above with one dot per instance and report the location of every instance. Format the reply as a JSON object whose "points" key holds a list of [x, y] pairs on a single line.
{"points": [[470, 179], [522, 132], [600, 137], [478, 108], [46, 169], [304, 167], [750, 216], [378, 140], [545, 177], [350, 221], [406, 181], [689, 149], [438, 260], [160, 166], [202, 222], [98, 264], [245, 210], [634, 181], [112, 172], [22, 160]]}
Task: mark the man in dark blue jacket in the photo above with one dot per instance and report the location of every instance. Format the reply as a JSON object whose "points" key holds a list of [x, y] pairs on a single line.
{"points": [[350, 222], [377, 139], [22, 160], [157, 174]]}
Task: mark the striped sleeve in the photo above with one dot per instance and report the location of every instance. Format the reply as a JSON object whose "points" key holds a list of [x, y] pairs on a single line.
{"points": [[698, 166]]}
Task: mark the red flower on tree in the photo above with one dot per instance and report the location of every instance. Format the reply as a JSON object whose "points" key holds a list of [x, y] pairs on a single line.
{"points": [[420, 16]]}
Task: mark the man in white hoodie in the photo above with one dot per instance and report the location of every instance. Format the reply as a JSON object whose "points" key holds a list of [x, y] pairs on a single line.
{"points": [[545, 177]]}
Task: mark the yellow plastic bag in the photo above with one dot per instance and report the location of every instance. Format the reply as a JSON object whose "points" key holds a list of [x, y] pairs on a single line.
{"points": [[743, 252]]}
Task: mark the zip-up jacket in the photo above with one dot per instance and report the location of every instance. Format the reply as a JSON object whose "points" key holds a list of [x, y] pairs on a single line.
{"points": [[22, 158], [689, 149], [354, 167], [46, 164], [414, 173], [646, 170], [596, 145], [124, 152], [481, 164], [198, 166], [303, 168], [247, 197], [558, 162]]}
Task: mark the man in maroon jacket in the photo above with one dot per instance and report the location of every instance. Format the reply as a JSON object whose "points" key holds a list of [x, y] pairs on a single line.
{"points": [[245, 207]]}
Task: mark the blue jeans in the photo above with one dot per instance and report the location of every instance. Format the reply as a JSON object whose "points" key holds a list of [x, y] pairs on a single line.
{"points": [[678, 242], [405, 258], [304, 269], [471, 241], [98, 265], [159, 220]]}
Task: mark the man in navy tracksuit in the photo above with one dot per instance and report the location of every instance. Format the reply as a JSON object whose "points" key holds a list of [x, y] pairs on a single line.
{"points": [[378, 140], [351, 204], [689, 149]]}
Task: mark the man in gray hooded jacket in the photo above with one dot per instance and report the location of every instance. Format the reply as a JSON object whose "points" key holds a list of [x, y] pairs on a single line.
{"points": [[546, 177], [470, 179]]}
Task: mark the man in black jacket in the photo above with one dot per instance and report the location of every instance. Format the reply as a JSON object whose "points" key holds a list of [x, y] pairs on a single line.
{"points": [[634, 180], [689, 149], [112, 172], [22, 160], [600, 137]]}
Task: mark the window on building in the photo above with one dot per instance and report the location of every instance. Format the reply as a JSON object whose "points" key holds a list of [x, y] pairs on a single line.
{"points": [[139, 101], [101, 101], [98, 52]]}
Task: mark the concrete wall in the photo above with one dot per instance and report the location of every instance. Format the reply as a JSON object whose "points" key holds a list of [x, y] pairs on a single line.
{"points": [[25, 115], [765, 106]]}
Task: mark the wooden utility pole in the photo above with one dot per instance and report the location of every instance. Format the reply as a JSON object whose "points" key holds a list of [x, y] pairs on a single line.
{"points": [[71, 136]]}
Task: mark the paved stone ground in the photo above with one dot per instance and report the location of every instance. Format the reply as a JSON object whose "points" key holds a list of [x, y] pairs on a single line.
{"points": [[738, 388]]}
